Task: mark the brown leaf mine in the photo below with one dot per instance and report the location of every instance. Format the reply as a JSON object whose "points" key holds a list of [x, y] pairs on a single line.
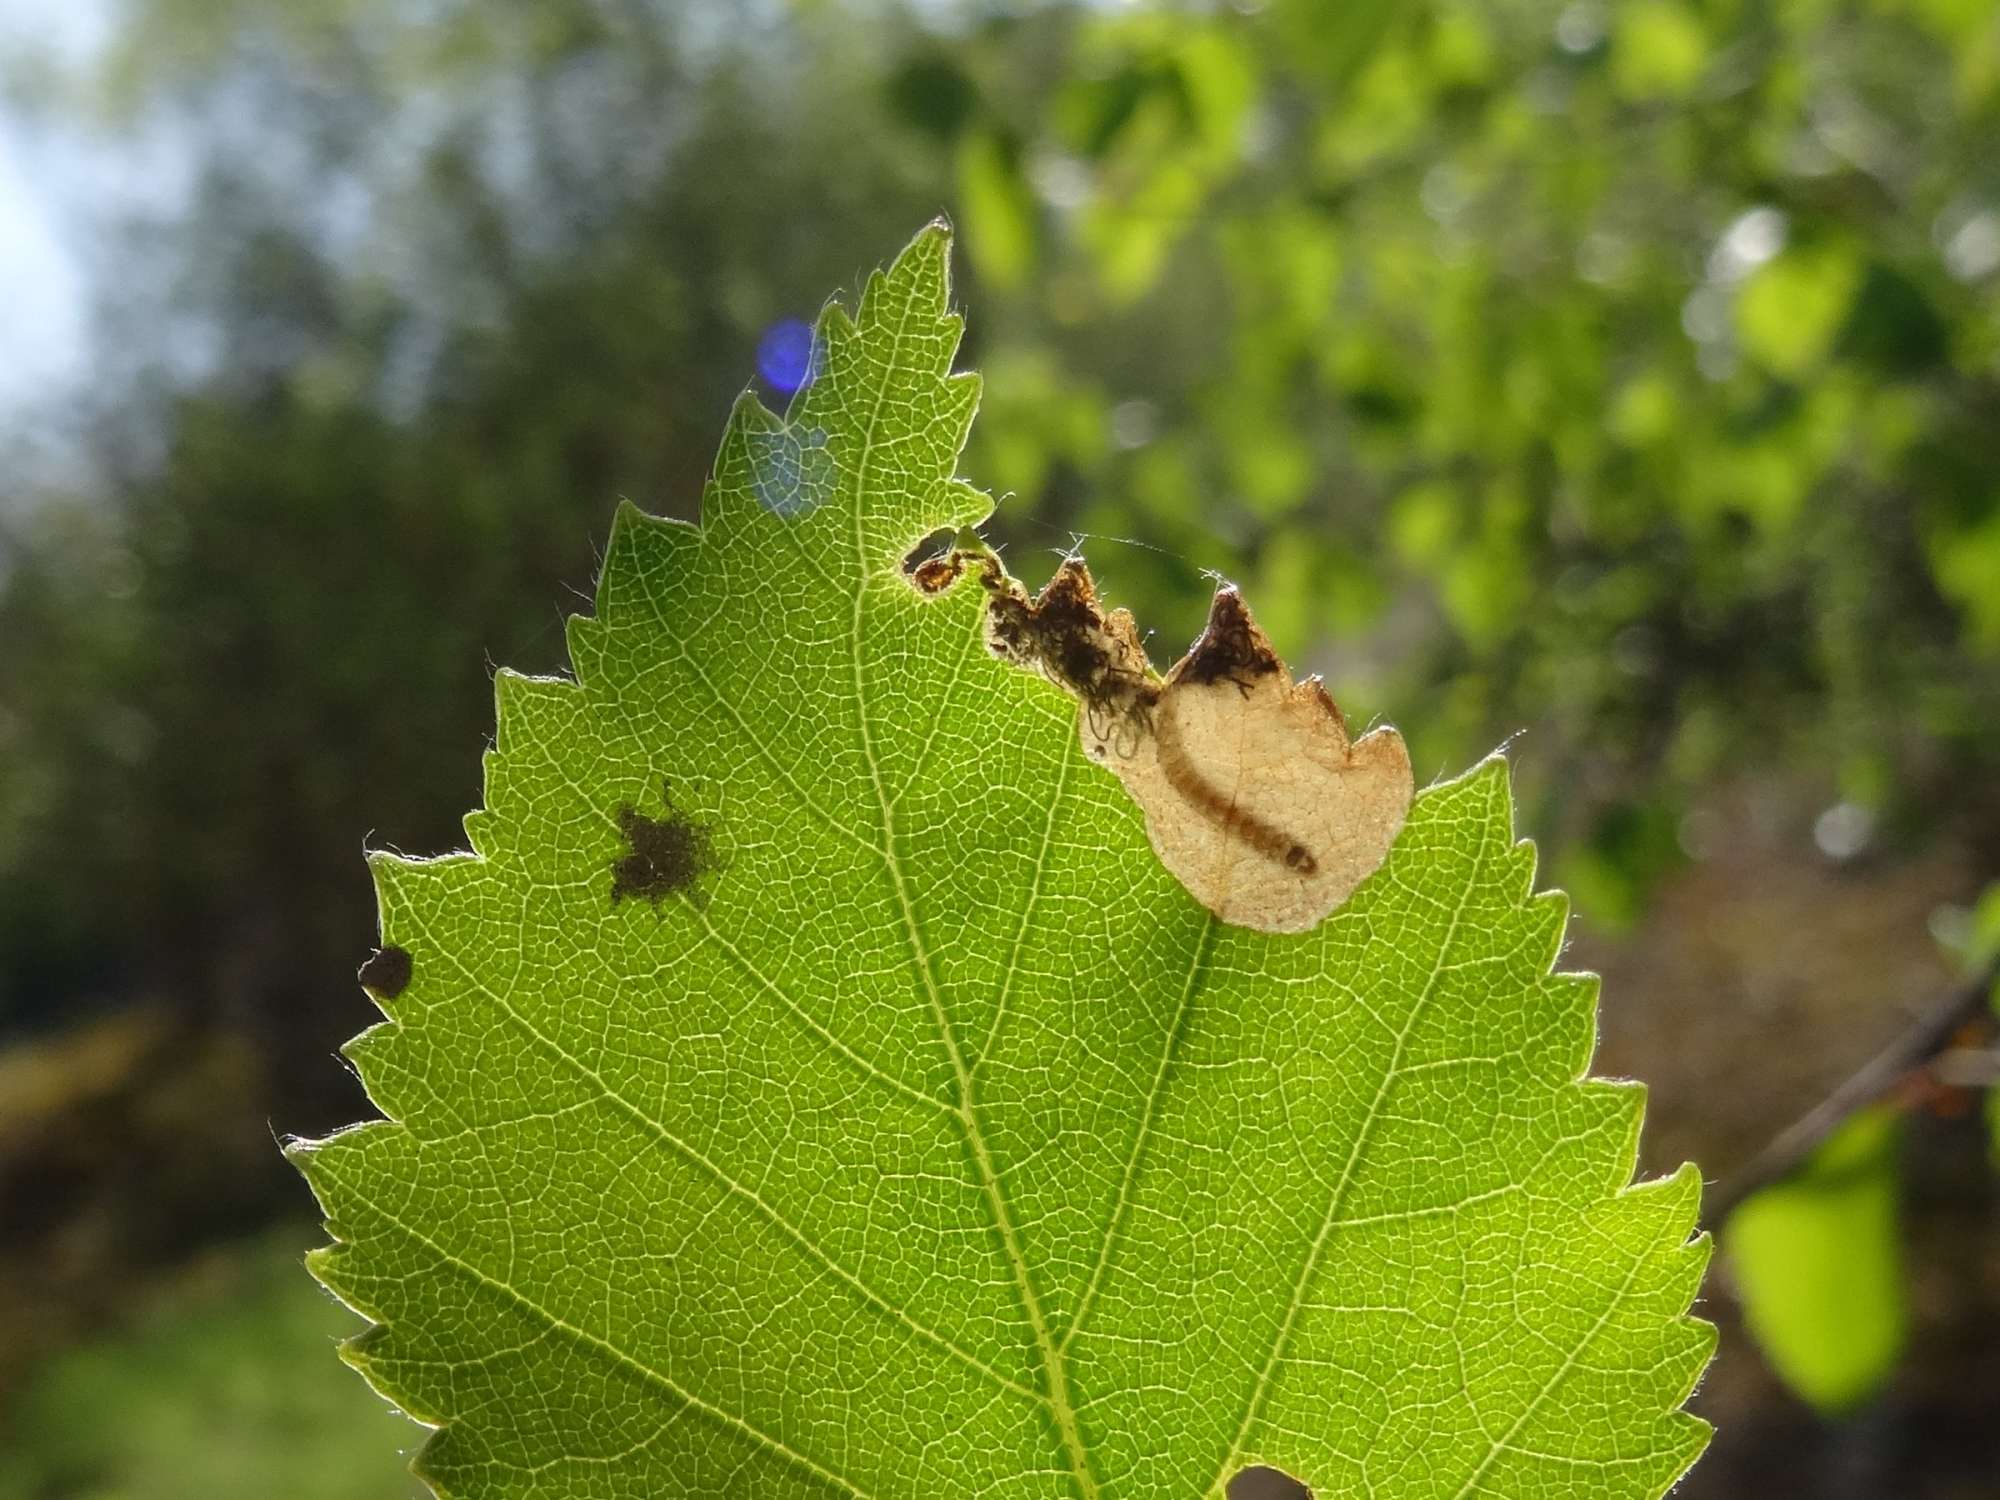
{"points": [[1254, 795]]}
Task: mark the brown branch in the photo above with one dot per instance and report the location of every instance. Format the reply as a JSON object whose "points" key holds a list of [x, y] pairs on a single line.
{"points": [[1914, 1049]]}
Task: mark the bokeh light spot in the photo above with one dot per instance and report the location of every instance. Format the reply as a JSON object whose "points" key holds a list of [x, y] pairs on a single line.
{"points": [[785, 355]]}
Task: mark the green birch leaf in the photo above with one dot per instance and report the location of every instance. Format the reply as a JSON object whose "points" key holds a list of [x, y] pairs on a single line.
{"points": [[1819, 1266], [813, 1085]]}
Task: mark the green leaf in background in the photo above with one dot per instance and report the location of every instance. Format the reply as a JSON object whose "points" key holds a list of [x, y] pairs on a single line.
{"points": [[1819, 1263], [1791, 311], [998, 205], [814, 1085], [1660, 49]]}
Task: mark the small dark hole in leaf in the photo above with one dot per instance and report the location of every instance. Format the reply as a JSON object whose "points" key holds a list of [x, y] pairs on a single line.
{"points": [[930, 555], [666, 855], [936, 574], [1266, 1483], [387, 973]]}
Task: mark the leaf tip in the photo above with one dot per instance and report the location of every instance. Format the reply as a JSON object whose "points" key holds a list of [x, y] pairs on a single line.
{"points": [[925, 263], [298, 1151], [1680, 1191]]}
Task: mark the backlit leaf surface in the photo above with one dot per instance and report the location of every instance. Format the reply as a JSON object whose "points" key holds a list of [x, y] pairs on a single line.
{"points": [[814, 1085]]}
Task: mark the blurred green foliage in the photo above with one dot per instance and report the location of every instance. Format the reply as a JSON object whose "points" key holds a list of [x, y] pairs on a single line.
{"points": [[1981, 945], [229, 1388], [1818, 1263]]}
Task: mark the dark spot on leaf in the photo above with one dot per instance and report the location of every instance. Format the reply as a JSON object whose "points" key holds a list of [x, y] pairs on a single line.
{"points": [[665, 856], [1230, 647], [387, 973], [1266, 1483]]}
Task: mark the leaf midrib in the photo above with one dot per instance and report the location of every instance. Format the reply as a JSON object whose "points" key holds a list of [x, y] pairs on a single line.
{"points": [[1050, 1354]]}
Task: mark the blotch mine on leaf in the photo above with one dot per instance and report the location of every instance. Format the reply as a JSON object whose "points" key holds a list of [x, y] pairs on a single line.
{"points": [[387, 972], [665, 856], [1255, 796], [1262, 1482]]}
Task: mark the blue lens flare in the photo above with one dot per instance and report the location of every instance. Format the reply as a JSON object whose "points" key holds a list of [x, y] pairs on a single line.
{"points": [[785, 355]]}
